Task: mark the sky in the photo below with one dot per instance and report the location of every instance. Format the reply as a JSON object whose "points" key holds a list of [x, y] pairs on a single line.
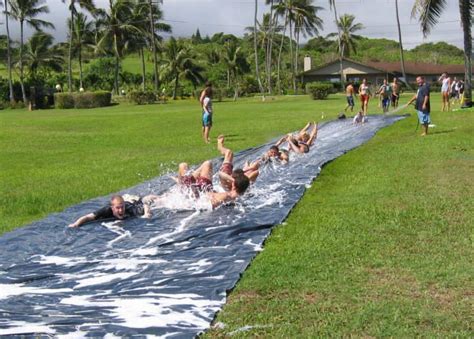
{"points": [[232, 16]]}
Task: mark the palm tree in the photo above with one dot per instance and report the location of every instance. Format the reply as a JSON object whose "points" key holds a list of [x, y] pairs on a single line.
{"points": [[179, 63], [9, 58], [116, 28], [347, 40], [82, 37], [402, 59], [257, 73], [26, 11], [332, 5], [306, 23], [235, 63], [89, 6], [40, 55], [281, 10], [428, 12], [155, 15]]}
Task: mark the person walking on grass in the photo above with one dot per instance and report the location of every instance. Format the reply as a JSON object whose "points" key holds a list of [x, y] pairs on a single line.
{"points": [[385, 92], [364, 95], [206, 103], [395, 92], [350, 97], [445, 87], [422, 103]]}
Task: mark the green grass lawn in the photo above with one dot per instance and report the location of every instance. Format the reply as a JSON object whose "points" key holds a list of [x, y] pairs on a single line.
{"points": [[380, 245]]}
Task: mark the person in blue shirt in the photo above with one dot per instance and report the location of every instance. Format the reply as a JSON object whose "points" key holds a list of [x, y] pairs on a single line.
{"points": [[422, 103]]}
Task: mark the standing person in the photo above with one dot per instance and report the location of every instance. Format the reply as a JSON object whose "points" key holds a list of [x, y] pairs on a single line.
{"points": [[461, 92], [364, 94], [445, 86], [395, 92], [350, 96], [385, 92], [422, 103], [206, 104]]}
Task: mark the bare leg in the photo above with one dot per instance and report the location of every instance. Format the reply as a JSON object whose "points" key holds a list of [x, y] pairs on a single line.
{"points": [[227, 153], [206, 134], [425, 130], [182, 169], [205, 170]]}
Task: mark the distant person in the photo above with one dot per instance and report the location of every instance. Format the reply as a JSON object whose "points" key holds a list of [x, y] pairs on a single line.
{"points": [[206, 103], [358, 118], [395, 92], [118, 209], [350, 96], [461, 92], [445, 87], [422, 103], [58, 88], [455, 95], [364, 95], [385, 92]]}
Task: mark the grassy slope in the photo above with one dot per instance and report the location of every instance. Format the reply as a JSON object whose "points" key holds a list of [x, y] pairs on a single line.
{"points": [[54, 158], [381, 244]]}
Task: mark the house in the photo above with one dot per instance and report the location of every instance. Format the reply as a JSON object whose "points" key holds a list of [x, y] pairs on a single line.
{"points": [[375, 72]]}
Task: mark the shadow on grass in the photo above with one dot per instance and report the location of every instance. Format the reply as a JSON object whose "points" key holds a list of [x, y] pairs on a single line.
{"points": [[443, 132]]}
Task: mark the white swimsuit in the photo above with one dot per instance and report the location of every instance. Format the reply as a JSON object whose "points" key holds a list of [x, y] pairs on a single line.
{"points": [[445, 85]]}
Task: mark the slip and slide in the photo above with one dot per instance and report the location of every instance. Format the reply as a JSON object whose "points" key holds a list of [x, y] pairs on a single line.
{"points": [[164, 276]]}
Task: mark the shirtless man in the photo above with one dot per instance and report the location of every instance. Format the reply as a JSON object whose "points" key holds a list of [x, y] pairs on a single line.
{"points": [[350, 97], [395, 92], [385, 92], [118, 209], [303, 141], [251, 171], [199, 182]]}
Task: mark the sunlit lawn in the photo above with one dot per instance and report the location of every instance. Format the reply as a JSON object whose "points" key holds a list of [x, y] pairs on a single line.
{"points": [[380, 245]]}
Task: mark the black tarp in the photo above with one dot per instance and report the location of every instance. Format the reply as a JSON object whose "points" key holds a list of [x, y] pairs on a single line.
{"points": [[165, 276]]}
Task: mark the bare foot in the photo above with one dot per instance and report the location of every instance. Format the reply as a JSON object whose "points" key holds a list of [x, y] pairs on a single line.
{"points": [[220, 142], [423, 134]]}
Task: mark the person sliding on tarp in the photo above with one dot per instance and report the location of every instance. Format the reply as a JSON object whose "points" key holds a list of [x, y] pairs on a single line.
{"points": [[118, 209], [303, 141], [199, 183], [226, 172]]}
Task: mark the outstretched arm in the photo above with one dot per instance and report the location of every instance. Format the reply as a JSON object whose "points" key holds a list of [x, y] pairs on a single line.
{"points": [[83, 220], [294, 147], [313, 135]]}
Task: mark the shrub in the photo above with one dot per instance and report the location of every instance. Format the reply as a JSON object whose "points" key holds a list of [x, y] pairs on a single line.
{"points": [[318, 90], [82, 100], [142, 97], [63, 100]]}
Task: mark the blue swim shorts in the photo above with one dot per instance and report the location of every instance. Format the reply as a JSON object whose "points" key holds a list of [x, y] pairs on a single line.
{"points": [[424, 118], [385, 102], [350, 100], [206, 119]]}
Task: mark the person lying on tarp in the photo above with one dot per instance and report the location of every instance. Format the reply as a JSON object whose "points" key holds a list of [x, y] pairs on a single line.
{"points": [[301, 142], [226, 172], [118, 209], [199, 183]]}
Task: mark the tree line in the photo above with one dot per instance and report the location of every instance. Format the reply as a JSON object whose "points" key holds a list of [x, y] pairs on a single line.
{"points": [[267, 59]]}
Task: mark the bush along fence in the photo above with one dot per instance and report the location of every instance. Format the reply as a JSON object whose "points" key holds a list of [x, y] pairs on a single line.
{"points": [[319, 90]]}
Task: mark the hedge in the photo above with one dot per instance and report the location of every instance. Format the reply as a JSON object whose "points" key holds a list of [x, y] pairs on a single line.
{"points": [[319, 90], [142, 97], [82, 100]]}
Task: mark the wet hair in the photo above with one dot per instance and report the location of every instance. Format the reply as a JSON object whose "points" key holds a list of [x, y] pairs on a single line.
{"points": [[274, 148], [305, 137], [116, 197], [241, 182]]}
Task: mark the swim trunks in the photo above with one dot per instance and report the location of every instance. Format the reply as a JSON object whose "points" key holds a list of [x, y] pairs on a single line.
{"points": [[364, 97], [206, 119], [227, 168], [350, 100], [424, 118]]}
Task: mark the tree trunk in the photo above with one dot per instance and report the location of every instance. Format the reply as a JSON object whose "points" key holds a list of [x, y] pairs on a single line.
{"points": [[402, 59], [293, 79], [341, 68], [116, 75], [81, 85], [9, 58], [297, 36], [69, 66], [257, 73], [175, 89], [142, 54], [21, 64], [279, 54], [153, 43], [270, 50], [466, 20]]}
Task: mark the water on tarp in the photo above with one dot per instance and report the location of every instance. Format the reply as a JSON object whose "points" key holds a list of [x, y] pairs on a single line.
{"points": [[164, 276]]}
